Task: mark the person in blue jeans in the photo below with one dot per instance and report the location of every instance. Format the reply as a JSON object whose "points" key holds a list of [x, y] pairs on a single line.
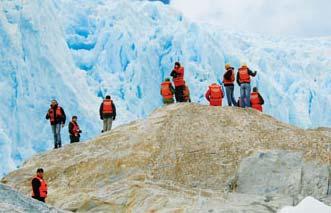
{"points": [[244, 81], [228, 81], [57, 119]]}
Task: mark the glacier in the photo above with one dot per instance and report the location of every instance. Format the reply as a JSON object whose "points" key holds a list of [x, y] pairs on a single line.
{"points": [[77, 51]]}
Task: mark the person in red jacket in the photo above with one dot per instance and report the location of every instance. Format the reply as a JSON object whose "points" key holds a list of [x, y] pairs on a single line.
{"points": [[228, 81], [57, 118], [215, 95], [107, 113], [74, 130], [244, 81], [167, 91], [177, 75], [39, 186], [256, 100]]}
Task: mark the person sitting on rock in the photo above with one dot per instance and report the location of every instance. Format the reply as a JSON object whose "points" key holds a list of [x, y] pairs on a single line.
{"points": [[256, 100], [215, 95], [167, 92]]}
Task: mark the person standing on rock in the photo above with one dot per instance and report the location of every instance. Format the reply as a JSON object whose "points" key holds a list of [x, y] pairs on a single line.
{"points": [[257, 100], [107, 113], [74, 130], [57, 118], [215, 95], [39, 186], [228, 81], [167, 92], [244, 81], [178, 78]]}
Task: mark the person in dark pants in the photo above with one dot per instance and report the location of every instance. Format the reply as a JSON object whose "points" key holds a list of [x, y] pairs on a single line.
{"points": [[228, 81], [57, 118], [74, 130], [39, 186], [177, 75], [107, 113]]}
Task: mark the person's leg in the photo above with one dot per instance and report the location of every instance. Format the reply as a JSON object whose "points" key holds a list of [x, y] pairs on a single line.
{"points": [[54, 135], [248, 95], [181, 94], [104, 125], [232, 99], [58, 133], [228, 95], [110, 124], [242, 95], [177, 94]]}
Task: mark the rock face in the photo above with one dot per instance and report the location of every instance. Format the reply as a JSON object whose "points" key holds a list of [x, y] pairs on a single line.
{"points": [[187, 158], [12, 201]]}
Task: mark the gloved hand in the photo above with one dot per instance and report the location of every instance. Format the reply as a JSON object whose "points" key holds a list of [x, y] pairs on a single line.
{"points": [[101, 118], [80, 131], [114, 118]]}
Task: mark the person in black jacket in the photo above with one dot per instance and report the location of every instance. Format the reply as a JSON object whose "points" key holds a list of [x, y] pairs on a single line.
{"points": [[107, 113], [57, 119], [74, 130], [39, 186], [228, 81]]}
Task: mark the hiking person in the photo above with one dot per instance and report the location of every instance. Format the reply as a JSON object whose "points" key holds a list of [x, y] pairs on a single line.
{"points": [[167, 91], [107, 113], [244, 81], [74, 130], [257, 100], [228, 81], [177, 75], [215, 95], [57, 118], [39, 186]]}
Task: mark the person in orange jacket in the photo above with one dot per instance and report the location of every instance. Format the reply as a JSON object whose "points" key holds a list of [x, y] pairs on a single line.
{"points": [[228, 81], [177, 75], [107, 113], [244, 81], [167, 92], [39, 186], [215, 95], [256, 100]]}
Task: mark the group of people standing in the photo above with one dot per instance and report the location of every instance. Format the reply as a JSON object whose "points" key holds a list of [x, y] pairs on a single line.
{"points": [[57, 118], [215, 93]]}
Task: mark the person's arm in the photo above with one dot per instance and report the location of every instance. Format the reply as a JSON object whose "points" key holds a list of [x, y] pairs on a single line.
{"points": [[100, 111], [207, 95], [261, 99], [47, 115], [63, 116], [71, 128], [238, 80], [114, 110], [174, 74], [251, 73], [35, 187]]}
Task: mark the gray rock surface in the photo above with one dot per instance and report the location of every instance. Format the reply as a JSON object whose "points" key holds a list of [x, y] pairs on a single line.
{"points": [[13, 201]]}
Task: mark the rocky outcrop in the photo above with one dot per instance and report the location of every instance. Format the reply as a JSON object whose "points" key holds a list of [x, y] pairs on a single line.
{"points": [[12, 201], [187, 158]]}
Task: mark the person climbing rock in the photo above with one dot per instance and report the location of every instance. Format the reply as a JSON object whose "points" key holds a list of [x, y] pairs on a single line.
{"points": [[244, 81], [57, 118], [107, 113], [256, 100], [228, 81], [178, 78], [39, 186], [186, 94], [74, 130], [167, 91], [215, 95]]}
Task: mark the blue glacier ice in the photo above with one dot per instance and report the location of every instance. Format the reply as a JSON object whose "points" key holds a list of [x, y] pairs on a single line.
{"points": [[77, 51]]}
